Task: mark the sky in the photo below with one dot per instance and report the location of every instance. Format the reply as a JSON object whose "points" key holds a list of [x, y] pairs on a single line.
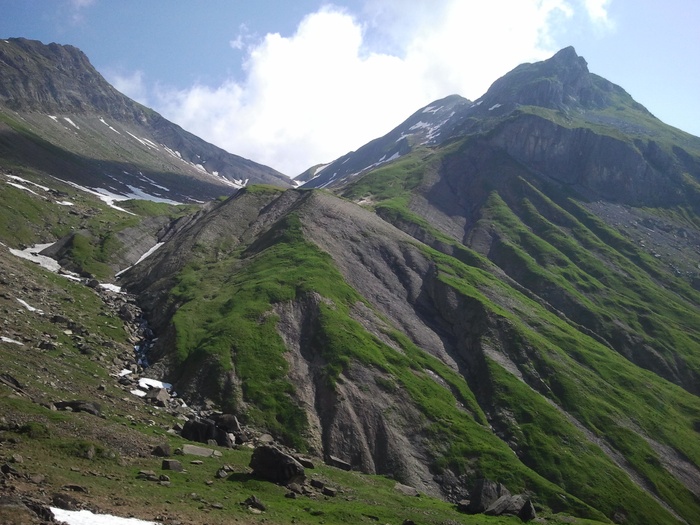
{"points": [[292, 84]]}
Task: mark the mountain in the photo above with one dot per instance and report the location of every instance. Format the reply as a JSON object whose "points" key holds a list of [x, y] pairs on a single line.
{"points": [[59, 116], [501, 293]]}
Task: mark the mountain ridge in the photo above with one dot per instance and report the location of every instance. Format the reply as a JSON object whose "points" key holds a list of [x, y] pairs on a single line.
{"points": [[54, 98]]}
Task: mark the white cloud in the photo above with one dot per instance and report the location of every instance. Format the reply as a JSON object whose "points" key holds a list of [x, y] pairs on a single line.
{"points": [[340, 81], [131, 84], [76, 10], [598, 12]]}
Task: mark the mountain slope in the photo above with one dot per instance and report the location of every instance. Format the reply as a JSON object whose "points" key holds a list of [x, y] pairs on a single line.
{"points": [[335, 331], [500, 308], [59, 116]]}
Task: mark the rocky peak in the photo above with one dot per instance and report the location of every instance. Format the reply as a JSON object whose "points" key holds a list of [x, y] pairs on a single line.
{"points": [[560, 82], [57, 78]]}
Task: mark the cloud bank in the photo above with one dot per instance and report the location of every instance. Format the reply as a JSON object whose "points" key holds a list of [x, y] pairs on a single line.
{"points": [[345, 78]]}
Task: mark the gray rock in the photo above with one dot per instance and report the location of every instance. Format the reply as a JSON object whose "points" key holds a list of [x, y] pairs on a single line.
{"points": [[270, 463], [506, 504], [336, 462], [527, 513], [80, 406], [484, 493], [158, 397], [196, 450], [172, 464], [406, 490], [162, 451], [254, 503]]}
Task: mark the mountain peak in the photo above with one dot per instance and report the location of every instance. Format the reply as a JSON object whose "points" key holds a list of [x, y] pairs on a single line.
{"points": [[559, 82]]}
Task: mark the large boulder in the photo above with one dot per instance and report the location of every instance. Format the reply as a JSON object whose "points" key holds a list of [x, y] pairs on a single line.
{"points": [[270, 463], [506, 505], [484, 494], [204, 430]]}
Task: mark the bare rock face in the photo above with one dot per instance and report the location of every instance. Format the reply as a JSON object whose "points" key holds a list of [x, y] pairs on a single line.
{"points": [[270, 463]]}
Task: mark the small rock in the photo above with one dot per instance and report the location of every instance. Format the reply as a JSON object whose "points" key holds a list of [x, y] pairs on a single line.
{"points": [[330, 491], [305, 462], [196, 450], [336, 462], [172, 464], [221, 473], [162, 451], [255, 503], [65, 502], [317, 484]]}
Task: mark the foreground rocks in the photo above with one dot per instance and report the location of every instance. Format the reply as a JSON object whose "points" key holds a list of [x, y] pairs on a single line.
{"points": [[494, 499]]}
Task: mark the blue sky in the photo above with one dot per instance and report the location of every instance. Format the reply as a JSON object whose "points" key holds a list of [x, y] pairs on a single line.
{"points": [[295, 83]]}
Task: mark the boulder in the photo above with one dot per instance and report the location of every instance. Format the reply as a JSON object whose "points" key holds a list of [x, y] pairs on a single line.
{"points": [[172, 464], [270, 463], [506, 504], [527, 513], [484, 493], [204, 430], [336, 462], [158, 397], [162, 451], [406, 490], [195, 450], [80, 406]]}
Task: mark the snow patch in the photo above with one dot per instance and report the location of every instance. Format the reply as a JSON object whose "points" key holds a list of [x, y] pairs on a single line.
{"points": [[32, 254], [494, 107], [138, 193], [71, 122], [140, 140], [147, 383], [85, 517], [110, 127], [25, 181], [11, 341], [148, 253], [137, 392], [432, 109], [111, 287], [65, 203], [419, 125], [105, 196], [19, 186], [28, 306]]}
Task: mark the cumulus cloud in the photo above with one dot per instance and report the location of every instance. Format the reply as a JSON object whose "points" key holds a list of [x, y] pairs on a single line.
{"points": [[598, 12], [341, 79], [132, 84], [76, 10]]}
